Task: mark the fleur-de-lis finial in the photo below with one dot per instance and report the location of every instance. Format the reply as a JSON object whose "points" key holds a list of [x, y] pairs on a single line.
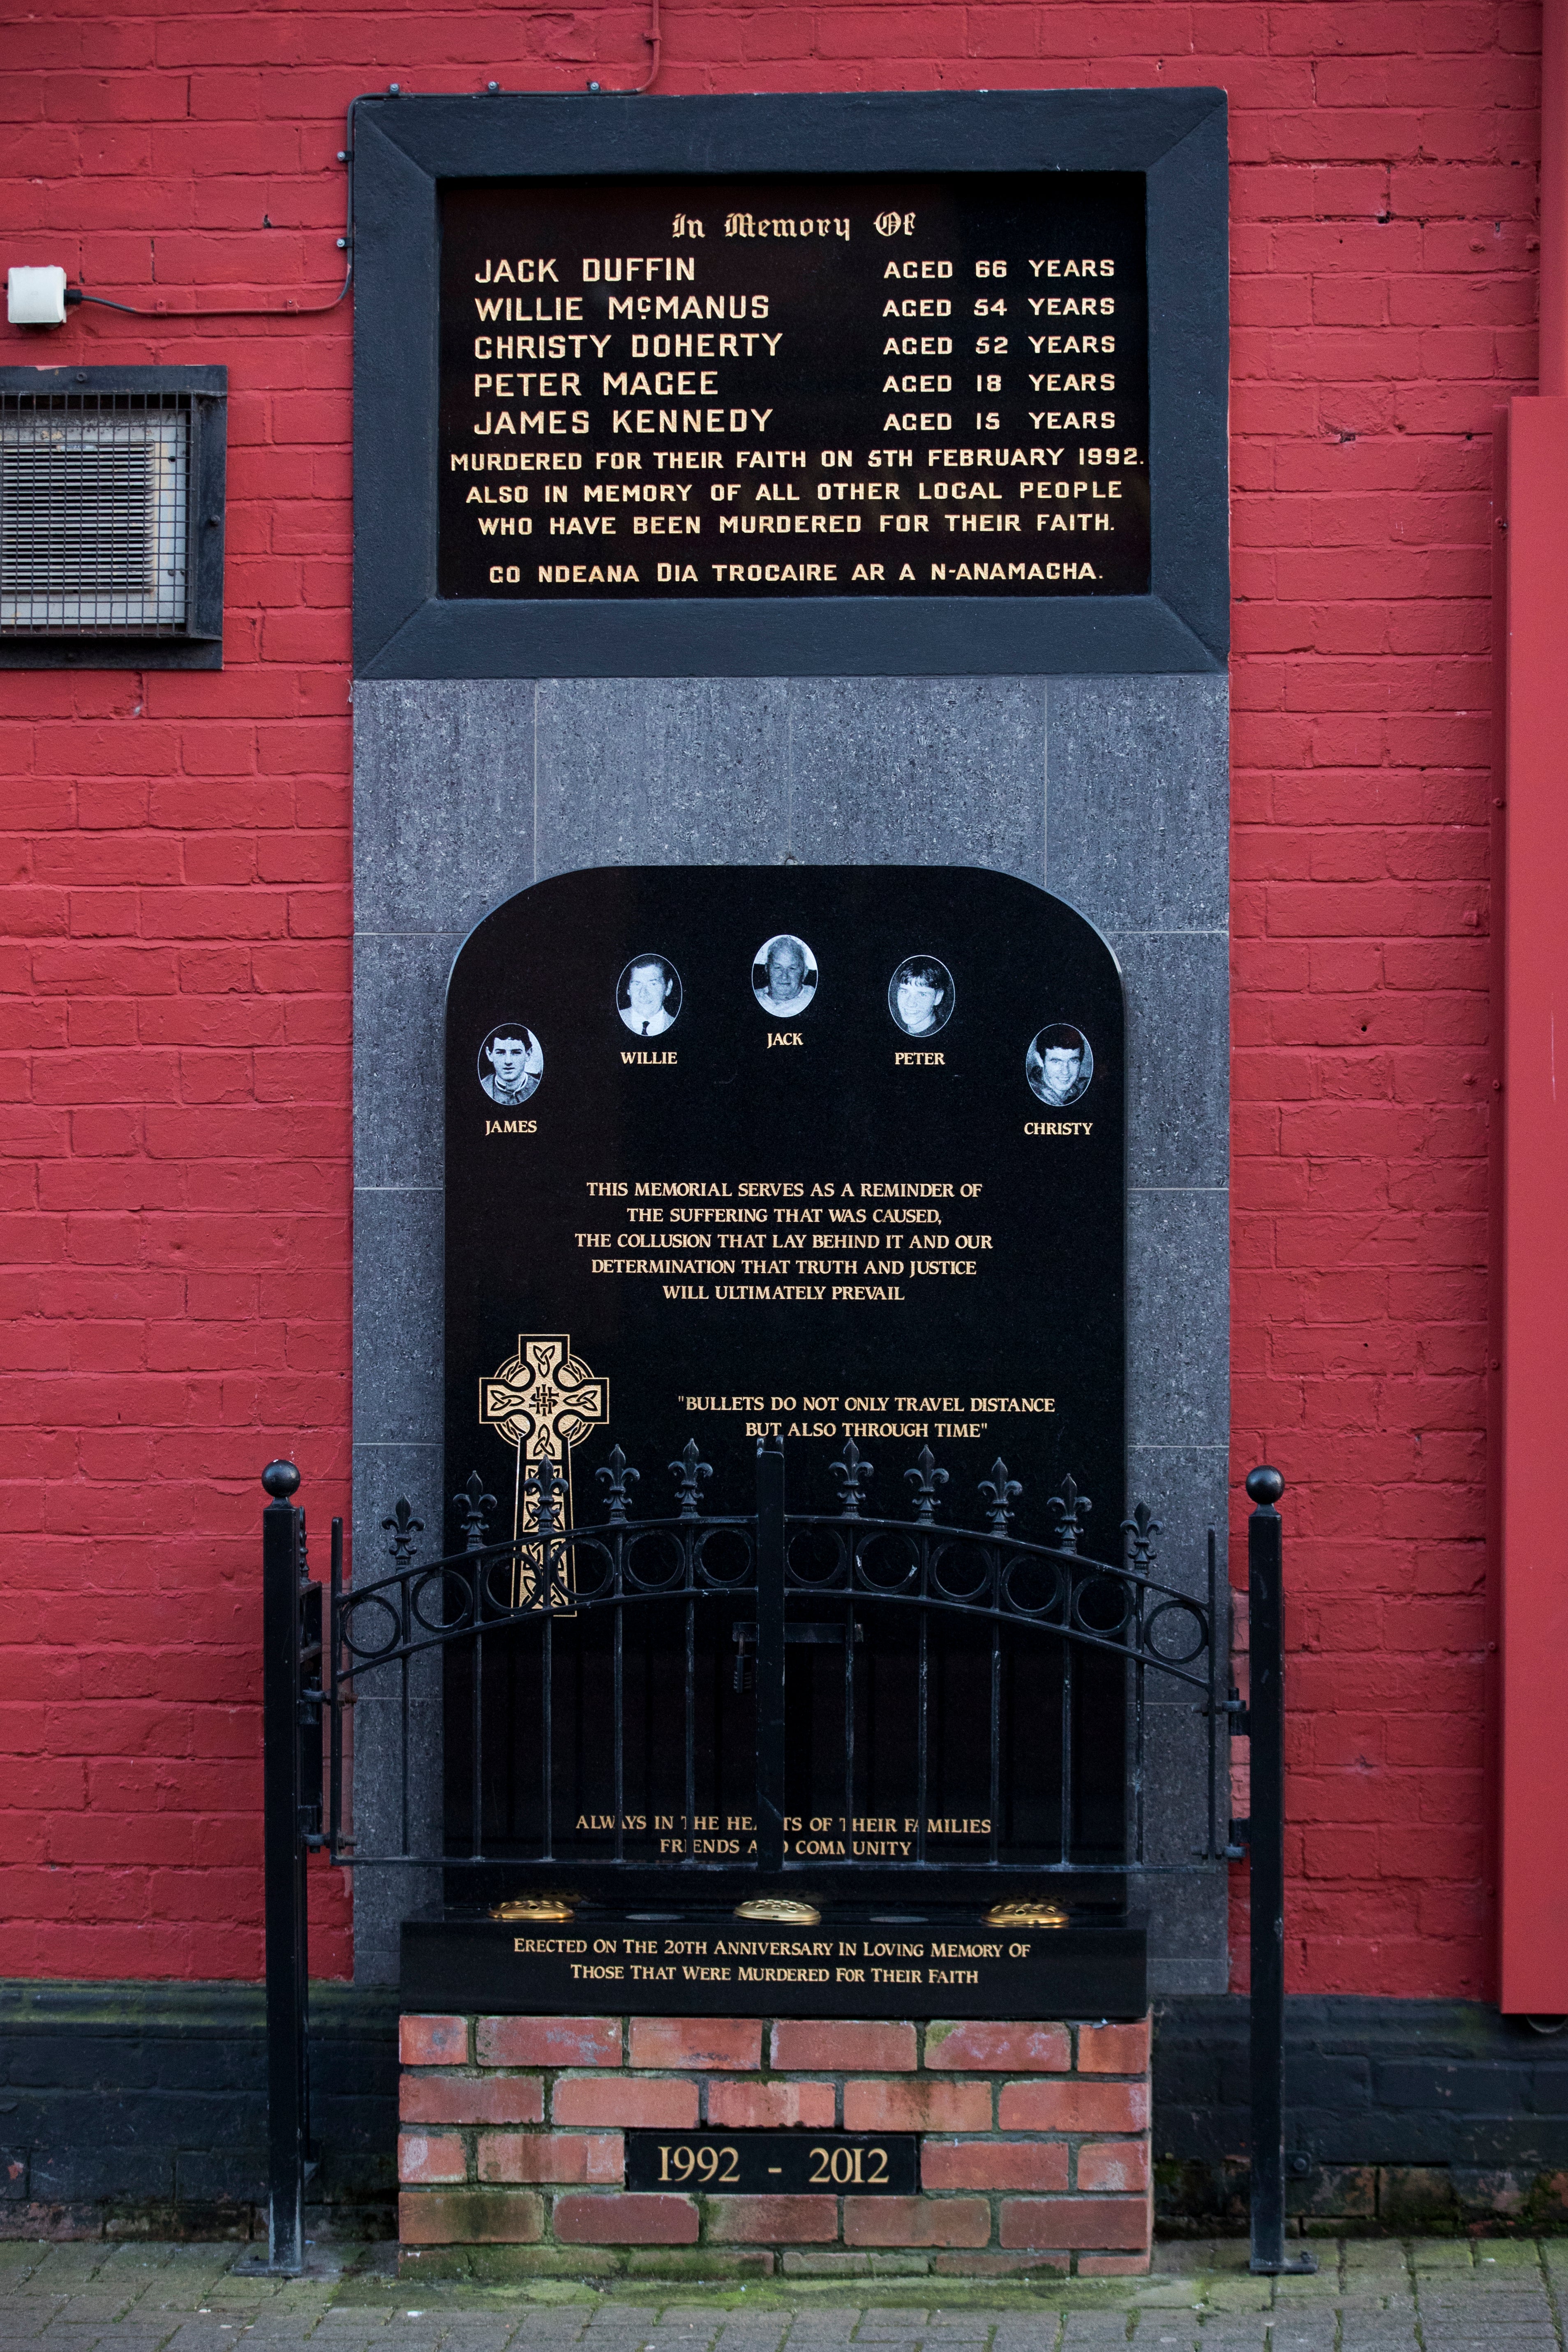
{"points": [[617, 1478], [689, 1472], [400, 1531], [1003, 1492], [925, 1480], [1070, 1510], [475, 1506], [1140, 1530], [853, 1474], [545, 1489]]}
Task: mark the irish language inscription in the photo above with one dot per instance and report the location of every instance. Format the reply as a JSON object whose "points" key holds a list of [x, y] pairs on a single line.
{"points": [[812, 386]]}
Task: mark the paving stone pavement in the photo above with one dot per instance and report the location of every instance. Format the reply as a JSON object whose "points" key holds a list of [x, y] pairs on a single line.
{"points": [[1369, 2295]]}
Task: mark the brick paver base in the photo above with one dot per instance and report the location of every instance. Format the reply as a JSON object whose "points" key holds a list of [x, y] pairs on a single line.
{"points": [[1034, 2143]]}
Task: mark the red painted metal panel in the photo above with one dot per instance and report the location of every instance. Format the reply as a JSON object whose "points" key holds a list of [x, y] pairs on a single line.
{"points": [[1533, 1914]]}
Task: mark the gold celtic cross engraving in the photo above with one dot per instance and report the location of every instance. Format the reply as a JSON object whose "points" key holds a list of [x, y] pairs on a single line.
{"points": [[543, 1401]]}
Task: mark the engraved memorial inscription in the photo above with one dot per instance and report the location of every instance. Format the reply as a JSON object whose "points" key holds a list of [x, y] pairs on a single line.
{"points": [[822, 386]]}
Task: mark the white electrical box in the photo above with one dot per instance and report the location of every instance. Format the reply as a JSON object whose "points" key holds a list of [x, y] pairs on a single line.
{"points": [[36, 297]]}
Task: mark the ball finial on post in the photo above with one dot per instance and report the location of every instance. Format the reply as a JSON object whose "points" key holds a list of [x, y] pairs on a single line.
{"points": [[281, 1480], [1264, 1486]]}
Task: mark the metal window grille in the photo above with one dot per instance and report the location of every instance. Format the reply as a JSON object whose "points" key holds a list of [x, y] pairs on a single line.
{"points": [[94, 513]]}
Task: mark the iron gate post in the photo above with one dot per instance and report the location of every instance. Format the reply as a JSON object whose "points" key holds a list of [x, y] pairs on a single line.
{"points": [[1266, 1708], [771, 1653], [287, 2121]]}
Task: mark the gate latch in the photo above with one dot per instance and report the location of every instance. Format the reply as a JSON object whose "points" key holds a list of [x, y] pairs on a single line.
{"points": [[744, 1635]]}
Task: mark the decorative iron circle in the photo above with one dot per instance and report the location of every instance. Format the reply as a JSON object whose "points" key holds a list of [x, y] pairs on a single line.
{"points": [[1099, 1591], [504, 1575], [723, 1557], [369, 1650], [655, 1562], [817, 1557], [450, 1583], [584, 1569], [1034, 1586], [962, 1571], [887, 1562], [1176, 1609]]}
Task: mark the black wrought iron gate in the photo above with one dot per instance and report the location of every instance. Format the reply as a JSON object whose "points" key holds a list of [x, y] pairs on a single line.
{"points": [[533, 1629]]}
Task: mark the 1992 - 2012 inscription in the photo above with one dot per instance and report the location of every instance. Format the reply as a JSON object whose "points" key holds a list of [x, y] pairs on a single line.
{"points": [[775, 2163], [809, 386]]}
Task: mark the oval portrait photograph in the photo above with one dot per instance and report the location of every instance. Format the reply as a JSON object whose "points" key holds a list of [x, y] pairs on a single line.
{"points": [[783, 975], [920, 995], [647, 996], [511, 1063], [1059, 1065]]}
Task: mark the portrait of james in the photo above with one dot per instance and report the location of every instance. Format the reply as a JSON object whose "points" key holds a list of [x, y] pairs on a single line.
{"points": [[783, 975], [647, 996], [511, 1063], [1059, 1065], [921, 996]]}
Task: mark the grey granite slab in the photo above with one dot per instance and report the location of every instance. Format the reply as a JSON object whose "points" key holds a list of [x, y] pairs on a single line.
{"points": [[1138, 801], [383, 1474], [384, 1897], [662, 771], [444, 802], [1177, 1318], [400, 982], [1178, 1055], [1112, 792], [1188, 1927], [397, 1316], [1187, 1488], [919, 772]]}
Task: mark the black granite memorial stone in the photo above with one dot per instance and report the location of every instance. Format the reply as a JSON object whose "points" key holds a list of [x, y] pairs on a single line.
{"points": [[833, 1156], [855, 1962], [834, 385]]}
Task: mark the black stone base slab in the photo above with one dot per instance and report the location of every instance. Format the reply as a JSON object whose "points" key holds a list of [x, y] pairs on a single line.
{"points": [[701, 1963]]}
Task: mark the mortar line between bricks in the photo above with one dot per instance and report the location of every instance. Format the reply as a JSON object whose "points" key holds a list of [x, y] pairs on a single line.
{"points": [[1341, 2284], [1552, 2302], [1408, 2249]]}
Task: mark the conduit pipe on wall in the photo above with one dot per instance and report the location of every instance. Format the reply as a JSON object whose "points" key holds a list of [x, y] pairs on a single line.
{"points": [[1531, 1421]]}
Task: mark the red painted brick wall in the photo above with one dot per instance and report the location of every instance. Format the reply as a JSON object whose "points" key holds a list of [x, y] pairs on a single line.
{"points": [[174, 910]]}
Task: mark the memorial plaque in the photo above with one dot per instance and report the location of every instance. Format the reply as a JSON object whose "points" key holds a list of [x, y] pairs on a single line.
{"points": [[703, 1963], [830, 1155], [824, 385]]}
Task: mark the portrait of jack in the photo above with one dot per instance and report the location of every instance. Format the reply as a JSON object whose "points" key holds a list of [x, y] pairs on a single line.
{"points": [[783, 975], [1059, 1065], [647, 996], [511, 1063], [921, 996]]}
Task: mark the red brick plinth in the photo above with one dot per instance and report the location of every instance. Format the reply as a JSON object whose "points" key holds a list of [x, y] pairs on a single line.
{"points": [[1034, 2145]]}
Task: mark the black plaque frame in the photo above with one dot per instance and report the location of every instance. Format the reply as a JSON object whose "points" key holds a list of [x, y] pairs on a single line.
{"points": [[403, 149]]}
